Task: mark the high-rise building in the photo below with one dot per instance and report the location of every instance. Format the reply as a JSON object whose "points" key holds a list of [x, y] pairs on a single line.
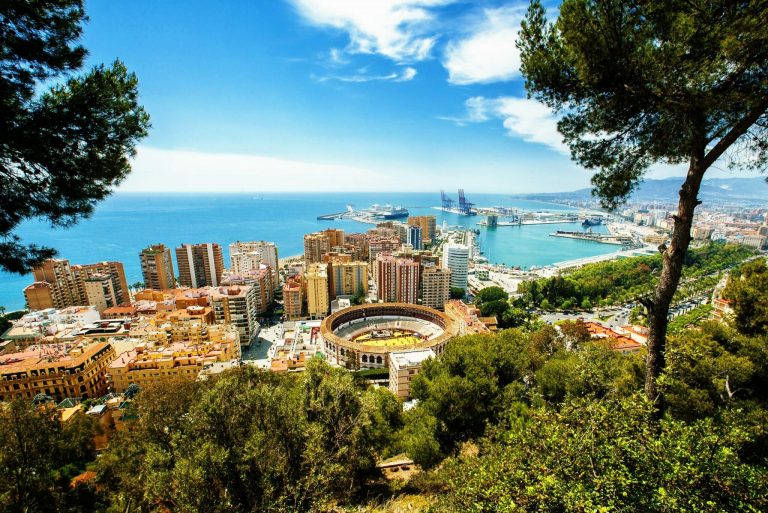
{"points": [[237, 305], [315, 246], [427, 224], [456, 258], [59, 285], [397, 279], [293, 297], [414, 237], [335, 237], [317, 291], [200, 265], [244, 256], [260, 279], [435, 286], [157, 267], [382, 245], [407, 280], [385, 276], [347, 278], [100, 291], [357, 245]]}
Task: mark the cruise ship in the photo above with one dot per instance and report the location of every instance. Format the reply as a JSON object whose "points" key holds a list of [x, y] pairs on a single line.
{"points": [[386, 212]]}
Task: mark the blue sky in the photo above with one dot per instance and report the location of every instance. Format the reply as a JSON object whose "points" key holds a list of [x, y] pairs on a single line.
{"points": [[332, 95]]}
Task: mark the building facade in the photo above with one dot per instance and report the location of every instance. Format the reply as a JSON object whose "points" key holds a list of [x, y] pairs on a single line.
{"points": [[427, 224], [315, 246], [397, 279], [60, 285], [147, 364], [403, 367], [414, 237], [293, 297], [157, 267], [56, 371], [347, 278], [200, 265], [456, 258], [236, 305], [317, 291], [436, 287]]}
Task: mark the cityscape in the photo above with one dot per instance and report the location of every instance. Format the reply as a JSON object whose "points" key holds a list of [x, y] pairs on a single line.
{"points": [[383, 256]]}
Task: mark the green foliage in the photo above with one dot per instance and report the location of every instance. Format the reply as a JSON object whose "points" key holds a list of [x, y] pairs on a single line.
{"points": [[471, 384], [6, 319], [619, 281], [690, 319], [713, 368], [65, 147], [39, 456], [641, 82], [749, 294], [253, 441], [610, 455], [457, 293], [490, 294]]}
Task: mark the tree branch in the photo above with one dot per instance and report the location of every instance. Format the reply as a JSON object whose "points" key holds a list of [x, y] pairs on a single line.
{"points": [[734, 133]]}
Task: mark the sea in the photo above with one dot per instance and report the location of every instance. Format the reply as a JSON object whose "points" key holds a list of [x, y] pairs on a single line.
{"points": [[125, 223]]}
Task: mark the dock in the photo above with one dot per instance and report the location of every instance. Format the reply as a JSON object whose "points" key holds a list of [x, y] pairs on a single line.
{"points": [[595, 237], [331, 217]]}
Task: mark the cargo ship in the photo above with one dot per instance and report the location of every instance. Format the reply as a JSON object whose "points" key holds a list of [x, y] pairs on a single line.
{"points": [[592, 221]]}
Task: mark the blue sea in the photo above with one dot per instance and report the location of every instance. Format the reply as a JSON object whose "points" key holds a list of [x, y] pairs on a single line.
{"points": [[125, 223]]}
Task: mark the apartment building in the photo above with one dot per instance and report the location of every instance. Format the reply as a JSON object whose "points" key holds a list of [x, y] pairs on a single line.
{"points": [[317, 291], [200, 265], [157, 267], [56, 370], [428, 226], [59, 284], [435, 286]]}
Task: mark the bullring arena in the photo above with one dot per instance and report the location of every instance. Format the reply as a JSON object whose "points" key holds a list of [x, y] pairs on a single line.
{"points": [[363, 336]]}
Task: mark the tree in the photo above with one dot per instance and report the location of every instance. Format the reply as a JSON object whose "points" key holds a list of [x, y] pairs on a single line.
{"points": [[749, 294], [457, 293], [643, 82], [607, 455], [63, 149]]}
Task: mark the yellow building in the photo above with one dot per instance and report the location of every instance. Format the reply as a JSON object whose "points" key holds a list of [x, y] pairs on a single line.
{"points": [[149, 363], [157, 267], [315, 246], [347, 278], [317, 291], [428, 226], [56, 370], [293, 297]]}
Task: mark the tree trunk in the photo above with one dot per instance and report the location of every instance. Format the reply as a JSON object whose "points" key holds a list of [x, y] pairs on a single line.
{"points": [[673, 258]]}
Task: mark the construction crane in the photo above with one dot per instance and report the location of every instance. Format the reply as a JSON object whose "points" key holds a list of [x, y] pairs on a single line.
{"points": [[446, 201], [465, 206]]}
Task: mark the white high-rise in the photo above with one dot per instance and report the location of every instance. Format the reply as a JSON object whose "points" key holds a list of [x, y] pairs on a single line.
{"points": [[245, 256], [456, 258]]}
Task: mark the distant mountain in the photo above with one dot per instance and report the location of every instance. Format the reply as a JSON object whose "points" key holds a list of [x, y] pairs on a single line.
{"points": [[715, 190]]}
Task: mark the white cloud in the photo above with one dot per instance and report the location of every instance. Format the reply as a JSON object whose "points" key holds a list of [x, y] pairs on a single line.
{"points": [[489, 53], [407, 74], [398, 29], [192, 171], [523, 118]]}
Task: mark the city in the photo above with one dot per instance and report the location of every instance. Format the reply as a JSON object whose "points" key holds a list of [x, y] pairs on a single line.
{"points": [[383, 256]]}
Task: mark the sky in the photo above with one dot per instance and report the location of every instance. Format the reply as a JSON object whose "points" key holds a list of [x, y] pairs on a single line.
{"points": [[332, 95]]}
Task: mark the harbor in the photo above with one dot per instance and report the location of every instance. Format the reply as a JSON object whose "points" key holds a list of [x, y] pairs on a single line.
{"points": [[617, 240], [371, 215]]}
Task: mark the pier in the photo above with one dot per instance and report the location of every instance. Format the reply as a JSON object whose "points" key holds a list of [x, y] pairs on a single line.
{"points": [[595, 237]]}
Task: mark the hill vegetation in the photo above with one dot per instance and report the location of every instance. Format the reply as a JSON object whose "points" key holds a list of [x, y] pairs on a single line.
{"points": [[621, 281], [545, 420]]}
